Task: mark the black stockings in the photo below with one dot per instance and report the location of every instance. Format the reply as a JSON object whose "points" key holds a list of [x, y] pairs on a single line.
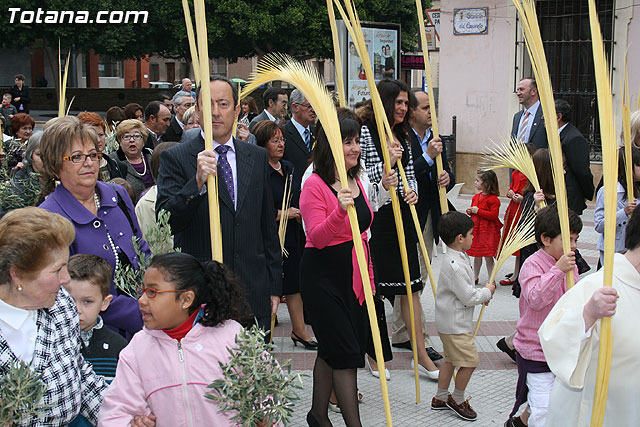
{"points": [[344, 381]]}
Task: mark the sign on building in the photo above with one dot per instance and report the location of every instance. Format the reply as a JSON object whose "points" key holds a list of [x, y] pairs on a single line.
{"points": [[471, 21]]}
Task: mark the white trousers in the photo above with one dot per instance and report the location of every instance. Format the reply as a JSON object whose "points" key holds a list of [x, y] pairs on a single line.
{"points": [[540, 386]]}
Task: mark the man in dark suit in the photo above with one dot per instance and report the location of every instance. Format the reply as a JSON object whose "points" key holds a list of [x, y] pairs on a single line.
{"points": [[156, 118], [528, 125], [424, 150], [249, 236], [275, 106], [181, 102], [298, 134], [578, 178]]}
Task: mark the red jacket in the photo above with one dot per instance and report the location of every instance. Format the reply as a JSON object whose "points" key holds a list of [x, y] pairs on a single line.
{"points": [[486, 226]]}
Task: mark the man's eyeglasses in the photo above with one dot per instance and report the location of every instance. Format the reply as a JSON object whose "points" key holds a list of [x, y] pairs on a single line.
{"points": [[81, 158], [127, 137], [305, 105], [151, 292]]}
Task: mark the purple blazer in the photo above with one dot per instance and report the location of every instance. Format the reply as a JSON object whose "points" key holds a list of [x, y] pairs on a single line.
{"points": [[91, 238]]}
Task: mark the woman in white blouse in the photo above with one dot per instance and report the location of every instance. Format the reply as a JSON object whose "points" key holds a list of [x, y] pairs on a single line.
{"points": [[39, 320]]}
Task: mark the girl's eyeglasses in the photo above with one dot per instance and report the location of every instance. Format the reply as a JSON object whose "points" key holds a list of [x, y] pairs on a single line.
{"points": [[151, 292]]}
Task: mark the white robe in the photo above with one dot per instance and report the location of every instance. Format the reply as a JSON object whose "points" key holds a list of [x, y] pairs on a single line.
{"points": [[572, 354]]}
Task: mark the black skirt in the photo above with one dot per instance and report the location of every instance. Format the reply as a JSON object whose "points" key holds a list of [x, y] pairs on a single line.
{"points": [[385, 252], [337, 318]]}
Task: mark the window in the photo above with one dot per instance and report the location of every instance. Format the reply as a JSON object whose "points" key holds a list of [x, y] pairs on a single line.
{"points": [[219, 66], [107, 67], [154, 72], [566, 36]]}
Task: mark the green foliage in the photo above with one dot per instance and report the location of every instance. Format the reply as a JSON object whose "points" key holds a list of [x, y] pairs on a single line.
{"points": [[19, 193], [254, 385], [21, 393], [160, 241], [111, 144]]}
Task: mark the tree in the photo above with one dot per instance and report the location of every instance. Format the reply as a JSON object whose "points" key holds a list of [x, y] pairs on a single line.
{"points": [[246, 28], [237, 28]]}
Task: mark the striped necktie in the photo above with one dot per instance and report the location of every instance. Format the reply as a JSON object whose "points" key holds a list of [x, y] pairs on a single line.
{"points": [[523, 127], [307, 139]]}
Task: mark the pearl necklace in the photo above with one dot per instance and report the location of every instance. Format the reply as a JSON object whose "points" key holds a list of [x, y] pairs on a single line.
{"points": [[145, 168], [96, 200], [279, 167]]}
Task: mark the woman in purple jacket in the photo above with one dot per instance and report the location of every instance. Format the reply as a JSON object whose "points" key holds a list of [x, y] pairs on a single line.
{"points": [[102, 214]]}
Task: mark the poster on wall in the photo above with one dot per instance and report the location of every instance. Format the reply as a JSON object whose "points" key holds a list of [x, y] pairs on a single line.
{"points": [[383, 46]]}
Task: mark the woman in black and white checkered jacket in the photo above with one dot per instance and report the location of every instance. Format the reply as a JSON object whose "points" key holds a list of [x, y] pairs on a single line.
{"points": [[385, 249]]}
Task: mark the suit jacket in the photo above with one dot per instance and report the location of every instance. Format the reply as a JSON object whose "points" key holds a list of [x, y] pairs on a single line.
{"points": [[249, 237], [258, 118], [173, 132], [428, 195], [296, 151], [151, 141], [538, 134], [578, 177]]}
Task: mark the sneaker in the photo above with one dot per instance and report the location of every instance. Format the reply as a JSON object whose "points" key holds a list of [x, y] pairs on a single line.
{"points": [[438, 405], [463, 410]]}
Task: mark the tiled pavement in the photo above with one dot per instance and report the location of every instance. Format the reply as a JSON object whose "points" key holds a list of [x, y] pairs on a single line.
{"points": [[492, 385]]}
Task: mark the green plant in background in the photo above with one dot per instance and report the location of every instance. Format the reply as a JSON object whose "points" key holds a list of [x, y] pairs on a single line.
{"points": [[160, 241], [18, 193], [111, 144], [254, 385], [21, 393]]}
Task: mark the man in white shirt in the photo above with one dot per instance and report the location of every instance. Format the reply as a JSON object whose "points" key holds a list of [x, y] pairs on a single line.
{"points": [[249, 242]]}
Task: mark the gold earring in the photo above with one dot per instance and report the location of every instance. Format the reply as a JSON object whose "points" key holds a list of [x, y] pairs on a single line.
{"points": [[19, 286]]}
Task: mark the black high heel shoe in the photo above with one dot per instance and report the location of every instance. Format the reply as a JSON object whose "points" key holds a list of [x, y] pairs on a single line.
{"points": [[309, 345], [311, 420]]}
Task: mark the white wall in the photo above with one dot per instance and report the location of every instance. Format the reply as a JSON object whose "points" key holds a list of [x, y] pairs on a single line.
{"points": [[477, 76]]}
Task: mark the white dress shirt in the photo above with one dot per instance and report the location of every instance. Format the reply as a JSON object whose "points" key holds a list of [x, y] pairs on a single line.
{"points": [[300, 129], [231, 158], [532, 113], [19, 329]]}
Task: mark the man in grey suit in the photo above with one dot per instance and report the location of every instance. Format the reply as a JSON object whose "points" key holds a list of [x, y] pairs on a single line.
{"points": [[156, 118], [528, 125], [249, 236], [298, 134], [275, 106]]}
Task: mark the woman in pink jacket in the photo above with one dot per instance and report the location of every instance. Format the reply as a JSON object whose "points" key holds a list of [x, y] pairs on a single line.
{"points": [[190, 313], [330, 281]]}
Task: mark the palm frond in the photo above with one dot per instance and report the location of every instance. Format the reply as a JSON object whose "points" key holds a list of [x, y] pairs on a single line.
{"points": [[195, 62], [352, 22], [533, 40], [626, 132], [511, 154], [215, 226], [610, 174], [337, 57], [442, 192], [520, 235]]}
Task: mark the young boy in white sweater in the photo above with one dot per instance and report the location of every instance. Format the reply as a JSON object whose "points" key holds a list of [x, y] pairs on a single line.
{"points": [[456, 297]]}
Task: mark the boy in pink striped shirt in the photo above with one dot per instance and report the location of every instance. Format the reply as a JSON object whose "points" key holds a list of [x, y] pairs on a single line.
{"points": [[543, 281]]}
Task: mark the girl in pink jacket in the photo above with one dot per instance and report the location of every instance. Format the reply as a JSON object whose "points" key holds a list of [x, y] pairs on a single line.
{"points": [[190, 313]]}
